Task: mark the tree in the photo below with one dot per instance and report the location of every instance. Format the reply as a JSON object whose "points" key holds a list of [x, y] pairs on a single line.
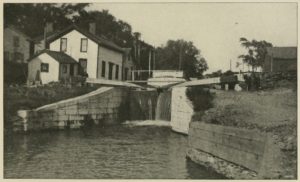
{"points": [[32, 17], [257, 51], [183, 55]]}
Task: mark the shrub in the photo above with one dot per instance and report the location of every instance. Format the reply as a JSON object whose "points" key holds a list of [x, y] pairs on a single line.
{"points": [[200, 97]]}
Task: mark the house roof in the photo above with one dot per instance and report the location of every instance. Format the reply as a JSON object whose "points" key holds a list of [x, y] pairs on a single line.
{"points": [[99, 40], [41, 37], [60, 57], [15, 29], [283, 52]]}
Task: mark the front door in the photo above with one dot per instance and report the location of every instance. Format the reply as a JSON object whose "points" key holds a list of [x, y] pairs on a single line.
{"points": [[110, 71], [83, 66]]}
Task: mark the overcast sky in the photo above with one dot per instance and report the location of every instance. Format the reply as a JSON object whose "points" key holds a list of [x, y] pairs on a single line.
{"points": [[215, 28]]}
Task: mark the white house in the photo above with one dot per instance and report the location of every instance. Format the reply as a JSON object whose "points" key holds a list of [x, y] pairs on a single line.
{"points": [[48, 66], [97, 56]]}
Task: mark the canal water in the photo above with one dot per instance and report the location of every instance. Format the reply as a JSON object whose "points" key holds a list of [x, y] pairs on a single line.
{"points": [[117, 152]]}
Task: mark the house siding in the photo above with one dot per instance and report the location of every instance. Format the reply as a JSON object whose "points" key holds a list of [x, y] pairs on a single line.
{"points": [[73, 49], [284, 64], [109, 56], [35, 65], [278, 65], [10, 49]]}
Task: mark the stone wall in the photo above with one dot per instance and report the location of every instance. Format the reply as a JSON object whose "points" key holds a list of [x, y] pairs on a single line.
{"points": [[181, 110], [236, 153], [97, 107]]}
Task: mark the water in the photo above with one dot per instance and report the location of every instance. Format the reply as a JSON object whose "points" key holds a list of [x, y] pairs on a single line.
{"points": [[118, 152], [163, 108]]}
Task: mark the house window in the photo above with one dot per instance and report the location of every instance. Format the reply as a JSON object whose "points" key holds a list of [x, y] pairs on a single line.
{"points": [[126, 73], [65, 68], [110, 70], [83, 65], [103, 69], [84, 44], [16, 41], [63, 44], [117, 72], [44, 67]]}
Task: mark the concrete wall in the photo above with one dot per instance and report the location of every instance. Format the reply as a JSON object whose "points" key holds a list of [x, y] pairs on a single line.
{"points": [[100, 106], [181, 110], [73, 49], [10, 49], [252, 150], [35, 65]]}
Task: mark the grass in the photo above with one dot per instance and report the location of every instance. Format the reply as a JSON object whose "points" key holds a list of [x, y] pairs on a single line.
{"points": [[21, 97]]}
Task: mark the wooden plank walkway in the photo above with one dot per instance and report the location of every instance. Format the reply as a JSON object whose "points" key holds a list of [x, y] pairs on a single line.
{"points": [[112, 83]]}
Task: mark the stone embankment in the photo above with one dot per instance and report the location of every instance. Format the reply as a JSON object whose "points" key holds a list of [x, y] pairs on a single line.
{"points": [[248, 135], [101, 106]]}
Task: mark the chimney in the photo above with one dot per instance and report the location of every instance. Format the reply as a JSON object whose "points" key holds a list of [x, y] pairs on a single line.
{"points": [[47, 29], [92, 28]]}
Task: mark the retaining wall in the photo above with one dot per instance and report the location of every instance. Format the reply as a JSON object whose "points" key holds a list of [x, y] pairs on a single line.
{"points": [[100, 106], [234, 152], [181, 110]]}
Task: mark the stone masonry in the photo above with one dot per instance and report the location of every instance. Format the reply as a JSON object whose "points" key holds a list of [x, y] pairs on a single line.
{"points": [[99, 107]]}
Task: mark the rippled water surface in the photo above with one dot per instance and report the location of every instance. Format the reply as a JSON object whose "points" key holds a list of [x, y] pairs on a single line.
{"points": [[131, 152]]}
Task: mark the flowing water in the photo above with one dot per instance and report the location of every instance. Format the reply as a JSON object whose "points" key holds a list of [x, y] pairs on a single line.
{"points": [[163, 107], [127, 151]]}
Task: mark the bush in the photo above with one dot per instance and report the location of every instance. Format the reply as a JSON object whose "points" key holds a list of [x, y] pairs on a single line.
{"points": [[15, 73], [200, 97]]}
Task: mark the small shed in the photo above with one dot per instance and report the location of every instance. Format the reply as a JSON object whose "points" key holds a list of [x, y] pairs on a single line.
{"points": [[50, 66]]}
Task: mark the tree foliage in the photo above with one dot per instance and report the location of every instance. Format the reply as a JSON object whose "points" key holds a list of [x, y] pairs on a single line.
{"points": [[257, 51], [31, 18], [169, 56]]}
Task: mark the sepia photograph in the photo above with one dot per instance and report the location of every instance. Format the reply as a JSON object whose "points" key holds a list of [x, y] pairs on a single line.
{"points": [[150, 90]]}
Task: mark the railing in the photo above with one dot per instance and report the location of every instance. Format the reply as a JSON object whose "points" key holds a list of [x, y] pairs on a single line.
{"points": [[143, 75]]}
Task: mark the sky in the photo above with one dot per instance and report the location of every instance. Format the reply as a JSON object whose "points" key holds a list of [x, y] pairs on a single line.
{"points": [[214, 28]]}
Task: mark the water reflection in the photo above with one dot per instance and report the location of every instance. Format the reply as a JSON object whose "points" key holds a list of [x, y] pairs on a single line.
{"points": [[119, 152]]}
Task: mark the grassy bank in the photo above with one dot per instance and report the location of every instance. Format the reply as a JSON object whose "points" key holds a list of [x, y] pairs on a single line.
{"points": [[21, 97], [273, 111]]}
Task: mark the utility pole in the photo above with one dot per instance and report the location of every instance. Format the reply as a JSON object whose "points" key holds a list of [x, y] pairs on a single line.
{"points": [[149, 63], [154, 59], [230, 64]]}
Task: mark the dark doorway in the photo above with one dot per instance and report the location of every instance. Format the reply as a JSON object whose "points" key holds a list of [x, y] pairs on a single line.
{"points": [[82, 66], [72, 69]]}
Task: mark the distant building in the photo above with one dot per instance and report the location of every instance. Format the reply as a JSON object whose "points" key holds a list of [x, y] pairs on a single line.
{"points": [[128, 64], [48, 66], [97, 57], [280, 59], [18, 46]]}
